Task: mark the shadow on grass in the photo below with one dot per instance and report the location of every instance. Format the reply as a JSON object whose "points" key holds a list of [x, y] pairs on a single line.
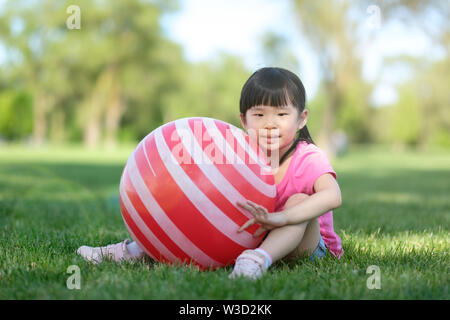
{"points": [[394, 200]]}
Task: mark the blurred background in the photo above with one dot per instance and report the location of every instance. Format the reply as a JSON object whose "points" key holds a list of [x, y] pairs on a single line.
{"points": [[103, 74]]}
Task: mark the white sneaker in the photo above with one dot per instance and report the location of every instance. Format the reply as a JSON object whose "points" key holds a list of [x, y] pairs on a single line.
{"points": [[251, 264], [115, 252]]}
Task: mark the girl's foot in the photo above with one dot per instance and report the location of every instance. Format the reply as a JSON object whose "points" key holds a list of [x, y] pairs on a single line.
{"points": [[250, 264], [115, 252]]}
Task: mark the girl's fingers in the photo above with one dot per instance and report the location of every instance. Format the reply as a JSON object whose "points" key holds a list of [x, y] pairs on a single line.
{"points": [[259, 232], [260, 215], [254, 205], [250, 209], [245, 206], [259, 208], [247, 224], [251, 205], [258, 212]]}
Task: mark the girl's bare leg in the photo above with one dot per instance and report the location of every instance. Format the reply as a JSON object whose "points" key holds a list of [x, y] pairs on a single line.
{"points": [[293, 240]]}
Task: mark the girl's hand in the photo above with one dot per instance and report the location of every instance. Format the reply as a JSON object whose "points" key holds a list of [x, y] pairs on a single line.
{"points": [[261, 216]]}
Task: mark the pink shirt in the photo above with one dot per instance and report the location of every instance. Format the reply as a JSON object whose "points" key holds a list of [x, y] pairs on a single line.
{"points": [[307, 164]]}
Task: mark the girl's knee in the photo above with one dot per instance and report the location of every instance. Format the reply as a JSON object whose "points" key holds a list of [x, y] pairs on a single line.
{"points": [[295, 199]]}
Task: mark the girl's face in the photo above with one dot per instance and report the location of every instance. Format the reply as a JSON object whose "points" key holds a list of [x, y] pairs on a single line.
{"points": [[273, 127]]}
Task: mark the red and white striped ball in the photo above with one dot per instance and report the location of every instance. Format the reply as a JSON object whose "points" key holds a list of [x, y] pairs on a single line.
{"points": [[179, 189]]}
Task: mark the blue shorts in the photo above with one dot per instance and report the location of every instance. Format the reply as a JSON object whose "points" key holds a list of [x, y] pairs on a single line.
{"points": [[320, 251]]}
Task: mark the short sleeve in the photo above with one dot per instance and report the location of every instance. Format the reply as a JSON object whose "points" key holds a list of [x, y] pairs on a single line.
{"points": [[309, 167]]}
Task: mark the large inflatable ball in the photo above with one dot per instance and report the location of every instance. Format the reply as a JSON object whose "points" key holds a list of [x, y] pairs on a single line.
{"points": [[179, 189]]}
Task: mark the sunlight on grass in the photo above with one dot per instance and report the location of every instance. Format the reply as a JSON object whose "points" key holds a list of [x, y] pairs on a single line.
{"points": [[405, 242], [391, 197], [386, 159]]}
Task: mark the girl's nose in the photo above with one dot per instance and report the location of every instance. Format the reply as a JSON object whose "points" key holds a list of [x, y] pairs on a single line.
{"points": [[271, 129], [270, 125]]}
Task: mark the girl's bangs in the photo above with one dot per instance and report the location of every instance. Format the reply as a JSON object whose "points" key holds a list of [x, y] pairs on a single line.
{"points": [[258, 95]]}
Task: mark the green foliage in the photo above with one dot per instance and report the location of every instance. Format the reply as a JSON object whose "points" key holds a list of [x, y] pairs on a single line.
{"points": [[119, 77], [277, 51], [332, 29], [115, 79], [431, 87], [354, 115], [381, 125], [16, 115], [316, 108], [209, 90], [441, 138], [406, 123], [421, 116]]}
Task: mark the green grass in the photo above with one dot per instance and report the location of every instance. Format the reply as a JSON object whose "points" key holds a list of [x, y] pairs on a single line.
{"points": [[395, 215]]}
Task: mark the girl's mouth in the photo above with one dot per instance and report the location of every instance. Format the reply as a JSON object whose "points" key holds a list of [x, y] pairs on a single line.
{"points": [[270, 140]]}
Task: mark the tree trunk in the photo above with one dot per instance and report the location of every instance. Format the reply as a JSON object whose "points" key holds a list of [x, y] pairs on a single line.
{"points": [[114, 109], [328, 121], [92, 113], [57, 126], [95, 108], [112, 121], [91, 136], [42, 105]]}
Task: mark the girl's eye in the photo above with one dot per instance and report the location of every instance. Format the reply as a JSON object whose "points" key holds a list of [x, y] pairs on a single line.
{"points": [[281, 114], [258, 114]]}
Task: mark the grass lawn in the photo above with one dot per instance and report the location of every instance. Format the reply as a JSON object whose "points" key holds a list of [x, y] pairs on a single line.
{"points": [[395, 215]]}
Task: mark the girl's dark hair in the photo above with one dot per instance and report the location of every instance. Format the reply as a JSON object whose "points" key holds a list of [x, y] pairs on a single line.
{"points": [[276, 87]]}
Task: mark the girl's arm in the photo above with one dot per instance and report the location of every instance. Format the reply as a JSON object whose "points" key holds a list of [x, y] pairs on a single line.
{"points": [[326, 198]]}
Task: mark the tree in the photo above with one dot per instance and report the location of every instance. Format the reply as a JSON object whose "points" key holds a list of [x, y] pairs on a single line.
{"points": [[422, 113], [118, 60], [208, 89], [277, 52], [331, 30], [16, 115], [406, 120], [120, 54], [26, 35]]}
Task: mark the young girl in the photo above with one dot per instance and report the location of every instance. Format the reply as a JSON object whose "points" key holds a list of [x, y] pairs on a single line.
{"points": [[272, 111], [273, 105]]}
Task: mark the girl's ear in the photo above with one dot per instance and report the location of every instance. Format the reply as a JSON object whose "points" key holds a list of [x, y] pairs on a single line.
{"points": [[303, 119], [243, 122]]}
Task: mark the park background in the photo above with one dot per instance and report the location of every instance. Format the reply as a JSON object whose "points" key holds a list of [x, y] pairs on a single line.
{"points": [[75, 99]]}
